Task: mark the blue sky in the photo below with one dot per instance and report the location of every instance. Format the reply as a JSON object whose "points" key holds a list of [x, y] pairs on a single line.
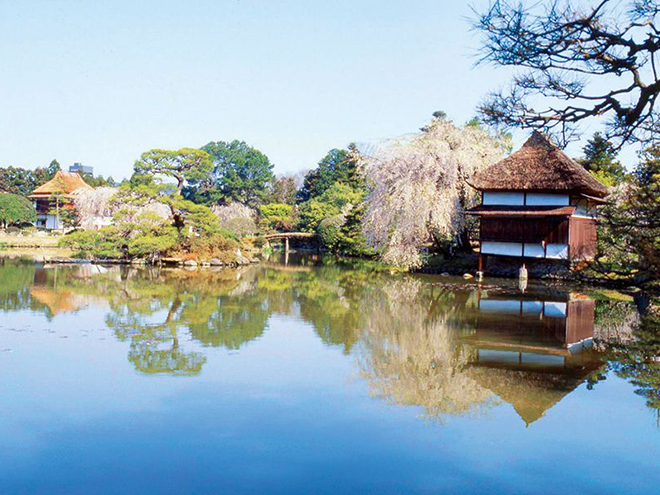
{"points": [[102, 82]]}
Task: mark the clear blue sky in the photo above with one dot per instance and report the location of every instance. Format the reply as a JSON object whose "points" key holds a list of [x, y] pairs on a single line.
{"points": [[102, 82]]}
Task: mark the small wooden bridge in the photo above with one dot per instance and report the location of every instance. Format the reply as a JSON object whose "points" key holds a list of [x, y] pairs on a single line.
{"points": [[285, 236]]}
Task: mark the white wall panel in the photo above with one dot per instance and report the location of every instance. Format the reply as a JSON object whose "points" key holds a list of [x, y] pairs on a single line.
{"points": [[557, 251], [543, 199], [532, 307], [502, 248], [534, 250], [555, 309], [503, 198], [497, 306], [52, 222]]}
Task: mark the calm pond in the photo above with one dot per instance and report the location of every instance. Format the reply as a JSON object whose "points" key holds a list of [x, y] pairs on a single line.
{"points": [[320, 377]]}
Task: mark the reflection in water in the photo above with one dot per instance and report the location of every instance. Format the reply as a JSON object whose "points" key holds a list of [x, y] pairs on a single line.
{"points": [[452, 349], [411, 352], [534, 349], [638, 360]]}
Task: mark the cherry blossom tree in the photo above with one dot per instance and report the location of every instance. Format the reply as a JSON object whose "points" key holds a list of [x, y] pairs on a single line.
{"points": [[418, 190], [93, 205], [236, 217]]}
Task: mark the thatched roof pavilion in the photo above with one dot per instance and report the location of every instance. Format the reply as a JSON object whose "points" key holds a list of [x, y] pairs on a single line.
{"points": [[540, 166], [63, 183], [538, 204]]}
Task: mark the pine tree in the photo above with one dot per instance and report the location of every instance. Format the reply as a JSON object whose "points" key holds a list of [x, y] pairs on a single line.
{"points": [[600, 160]]}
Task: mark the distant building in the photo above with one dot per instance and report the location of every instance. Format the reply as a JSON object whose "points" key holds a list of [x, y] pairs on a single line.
{"points": [[537, 204], [78, 167], [55, 196]]}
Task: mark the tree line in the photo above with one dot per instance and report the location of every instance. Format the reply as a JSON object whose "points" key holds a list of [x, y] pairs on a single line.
{"points": [[403, 197]]}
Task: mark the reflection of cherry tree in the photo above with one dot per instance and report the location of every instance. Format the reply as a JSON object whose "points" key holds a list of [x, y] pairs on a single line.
{"points": [[410, 354]]}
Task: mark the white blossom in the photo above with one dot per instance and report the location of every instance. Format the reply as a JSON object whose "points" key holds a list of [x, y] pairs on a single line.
{"points": [[237, 218], [417, 187]]}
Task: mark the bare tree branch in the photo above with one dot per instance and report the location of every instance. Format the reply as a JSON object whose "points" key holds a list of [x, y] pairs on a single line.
{"points": [[563, 48]]}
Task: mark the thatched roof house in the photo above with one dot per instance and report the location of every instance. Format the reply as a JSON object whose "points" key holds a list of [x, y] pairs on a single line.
{"points": [[538, 166], [539, 204], [62, 185]]}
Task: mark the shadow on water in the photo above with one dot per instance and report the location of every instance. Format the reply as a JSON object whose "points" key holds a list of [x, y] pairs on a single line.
{"points": [[448, 346]]}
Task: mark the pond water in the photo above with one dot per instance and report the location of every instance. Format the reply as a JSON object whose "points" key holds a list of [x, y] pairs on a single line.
{"points": [[320, 377]]}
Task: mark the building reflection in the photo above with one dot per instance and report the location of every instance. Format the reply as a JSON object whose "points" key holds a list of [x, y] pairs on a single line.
{"points": [[451, 349], [533, 349]]}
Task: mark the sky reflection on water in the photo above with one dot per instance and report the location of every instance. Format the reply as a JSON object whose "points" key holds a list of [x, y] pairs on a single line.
{"points": [[319, 377]]}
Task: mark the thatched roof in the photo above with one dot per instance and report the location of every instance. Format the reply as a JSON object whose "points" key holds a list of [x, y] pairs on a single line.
{"points": [[63, 183], [530, 393], [538, 166]]}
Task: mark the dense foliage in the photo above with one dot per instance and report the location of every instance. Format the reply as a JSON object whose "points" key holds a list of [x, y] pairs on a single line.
{"points": [[23, 181], [630, 233], [331, 203], [336, 166], [183, 165], [239, 173], [15, 209], [278, 216], [283, 190], [139, 231]]}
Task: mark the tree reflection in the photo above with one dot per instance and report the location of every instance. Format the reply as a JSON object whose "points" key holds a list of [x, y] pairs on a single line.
{"points": [[412, 354], [639, 360], [417, 342], [15, 281]]}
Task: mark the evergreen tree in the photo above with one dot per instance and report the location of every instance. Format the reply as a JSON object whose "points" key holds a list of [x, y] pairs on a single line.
{"points": [[630, 231], [600, 160], [338, 165], [240, 173]]}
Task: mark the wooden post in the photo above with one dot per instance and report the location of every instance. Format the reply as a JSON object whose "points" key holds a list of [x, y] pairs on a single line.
{"points": [[286, 250], [480, 273]]}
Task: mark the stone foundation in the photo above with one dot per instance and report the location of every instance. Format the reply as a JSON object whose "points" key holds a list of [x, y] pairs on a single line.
{"points": [[509, 267]]}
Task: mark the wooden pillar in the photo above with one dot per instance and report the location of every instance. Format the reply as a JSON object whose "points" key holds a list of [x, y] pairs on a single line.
{"points": [[480, 273], [286, 250]]}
